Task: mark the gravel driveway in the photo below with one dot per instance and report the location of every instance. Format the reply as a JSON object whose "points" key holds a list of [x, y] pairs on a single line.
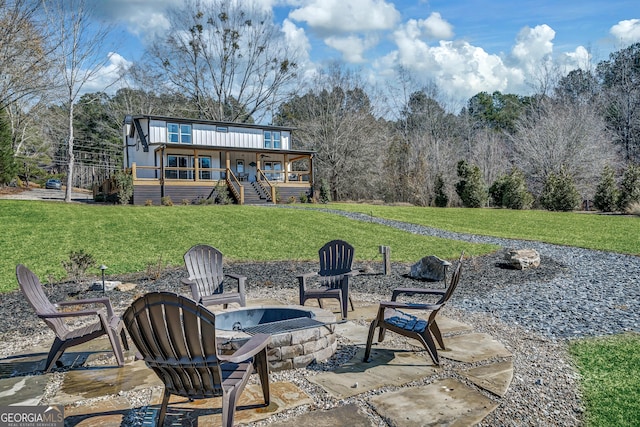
{"points": [[44, 194]]}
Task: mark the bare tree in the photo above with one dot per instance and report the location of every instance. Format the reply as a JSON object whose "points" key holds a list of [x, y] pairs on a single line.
{"points": [[336, 119], [23, 51], [569, 137], [228, 58], [78, 58]]}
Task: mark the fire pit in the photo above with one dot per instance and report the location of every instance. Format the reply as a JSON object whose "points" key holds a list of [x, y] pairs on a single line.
{"points": [[299, 335]]}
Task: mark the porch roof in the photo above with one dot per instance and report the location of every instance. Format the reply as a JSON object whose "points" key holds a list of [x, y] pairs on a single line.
{"points": [[227, 148]]}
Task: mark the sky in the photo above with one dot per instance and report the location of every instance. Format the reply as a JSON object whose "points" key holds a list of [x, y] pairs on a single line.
{"points": [[463, 46]]}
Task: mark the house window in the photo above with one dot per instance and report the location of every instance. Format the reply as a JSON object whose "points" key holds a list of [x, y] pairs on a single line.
{"points": [[222, 129], [179, 167], [179, 134], [271, 139], [204, 163]]}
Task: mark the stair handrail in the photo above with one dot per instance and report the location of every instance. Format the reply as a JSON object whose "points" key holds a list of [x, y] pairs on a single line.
{"points": [[266, 185], [238, 193]]}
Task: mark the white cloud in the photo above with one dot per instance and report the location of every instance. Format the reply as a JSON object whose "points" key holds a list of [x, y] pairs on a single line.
{"points": [[351, 47], [296, 38], [329, 17], [105, 80], [437, 28], [458, 68], [534, 44], [628, 31]]}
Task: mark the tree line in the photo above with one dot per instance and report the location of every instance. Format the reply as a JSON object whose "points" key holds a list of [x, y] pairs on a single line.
{"points": [[575, 139]]}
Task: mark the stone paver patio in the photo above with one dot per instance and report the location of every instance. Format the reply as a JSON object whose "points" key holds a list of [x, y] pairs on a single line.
{"points": [[91, 390]]}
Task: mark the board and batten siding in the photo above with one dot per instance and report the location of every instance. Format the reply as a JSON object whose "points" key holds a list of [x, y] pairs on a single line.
{"points": [[208, 135]]}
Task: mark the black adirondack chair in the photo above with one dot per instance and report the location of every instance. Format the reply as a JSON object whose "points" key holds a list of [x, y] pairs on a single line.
{"points": [[106, 323], [332, 280], [177, 339]]}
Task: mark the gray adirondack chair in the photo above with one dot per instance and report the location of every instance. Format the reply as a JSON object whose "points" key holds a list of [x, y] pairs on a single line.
{"points": [[177, 339], [206, 278], [332, 280], [391, 315], [106, 323]]}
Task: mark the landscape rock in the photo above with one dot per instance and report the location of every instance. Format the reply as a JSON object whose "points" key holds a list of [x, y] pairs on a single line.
{"points": [[523, 258], [429, 268]]}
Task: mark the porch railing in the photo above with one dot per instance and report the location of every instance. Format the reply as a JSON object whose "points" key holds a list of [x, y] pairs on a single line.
{"points": [[232, 181]]}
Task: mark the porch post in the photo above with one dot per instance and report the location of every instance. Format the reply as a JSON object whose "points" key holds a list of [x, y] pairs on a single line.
{"points": [[286, 168]]}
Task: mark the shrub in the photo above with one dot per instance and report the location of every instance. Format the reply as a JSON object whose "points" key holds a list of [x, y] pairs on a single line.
{"points": [[166, 201], [148, 202], [185, 202], [634, 209], [303, 198], [441, 199], [559, 192], [606, 197], [471, 188], [124, 186], [325, 192], [629, 187], [510, 191], [223, 197], [291, 200], [77, 265]]}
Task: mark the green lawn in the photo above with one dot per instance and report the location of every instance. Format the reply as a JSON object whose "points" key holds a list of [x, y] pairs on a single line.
{"points": [[610, 371], [128, 238], [614, 233]]}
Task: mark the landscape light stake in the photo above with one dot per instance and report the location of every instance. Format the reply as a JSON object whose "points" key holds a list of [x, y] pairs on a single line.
{"points": [[103, 268]]}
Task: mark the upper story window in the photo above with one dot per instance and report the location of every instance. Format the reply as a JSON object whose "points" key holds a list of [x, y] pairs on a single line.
{"points": [[271, 139], [222, 129], [179, 133]]}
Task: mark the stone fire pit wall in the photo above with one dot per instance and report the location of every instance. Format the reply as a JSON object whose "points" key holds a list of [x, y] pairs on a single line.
{"points": [[293, 349]]}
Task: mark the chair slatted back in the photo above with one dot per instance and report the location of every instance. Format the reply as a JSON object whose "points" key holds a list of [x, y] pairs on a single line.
{"points": [[455, 279], [177, 339], [33, 291], [336, 259], [204, 265]]}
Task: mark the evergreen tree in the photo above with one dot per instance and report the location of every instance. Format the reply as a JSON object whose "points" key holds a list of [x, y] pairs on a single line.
{"points": [[441, 199], [606, 197], [471, 187], [8, 166], [559, 192], [629, 187]]}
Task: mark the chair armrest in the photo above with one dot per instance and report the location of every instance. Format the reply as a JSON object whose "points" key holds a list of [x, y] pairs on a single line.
{"points": [[241, 280], [302, 279], [105, 301], [416, 291], [60, 314], [195, 292], [249, 349], [409, 305]]}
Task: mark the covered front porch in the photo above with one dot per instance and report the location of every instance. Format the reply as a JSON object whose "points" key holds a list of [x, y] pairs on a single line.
{"points": [[198, 173]]}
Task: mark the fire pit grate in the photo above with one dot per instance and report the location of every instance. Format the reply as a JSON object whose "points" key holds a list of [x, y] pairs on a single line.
{"points": [[280, 326]]}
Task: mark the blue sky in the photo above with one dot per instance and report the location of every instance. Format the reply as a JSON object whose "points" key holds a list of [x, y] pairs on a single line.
{"points": [[464, 47]]}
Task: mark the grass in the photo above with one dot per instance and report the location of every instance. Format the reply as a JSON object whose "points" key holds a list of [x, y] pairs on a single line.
{"points": [[610, 371], [129, 238], [613, 233]]}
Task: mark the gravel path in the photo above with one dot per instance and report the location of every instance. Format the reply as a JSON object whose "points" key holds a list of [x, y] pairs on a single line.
{"points": [[594, 293], [574, 293]]}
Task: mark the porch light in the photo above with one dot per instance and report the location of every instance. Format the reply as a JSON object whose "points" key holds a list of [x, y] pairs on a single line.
{"points": [[103, 268]]}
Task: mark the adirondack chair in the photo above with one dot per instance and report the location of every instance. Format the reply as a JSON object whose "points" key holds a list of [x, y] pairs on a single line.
{"points": [[332, 280], [108, 323], [206, 277], [177, 339], [391, 316]]}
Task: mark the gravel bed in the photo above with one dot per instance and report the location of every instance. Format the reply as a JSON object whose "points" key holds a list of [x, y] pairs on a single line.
{"points": [[574, 293]]}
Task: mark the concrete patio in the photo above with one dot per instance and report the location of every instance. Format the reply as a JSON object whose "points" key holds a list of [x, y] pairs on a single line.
{"points": [[401, 386]]}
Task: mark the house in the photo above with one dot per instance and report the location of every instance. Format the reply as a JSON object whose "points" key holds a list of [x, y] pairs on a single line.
{"points": [[190, 159]]}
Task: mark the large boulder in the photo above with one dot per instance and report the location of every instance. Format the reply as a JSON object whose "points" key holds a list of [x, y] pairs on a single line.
{"points": [[522, 258], [429, 268]]}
